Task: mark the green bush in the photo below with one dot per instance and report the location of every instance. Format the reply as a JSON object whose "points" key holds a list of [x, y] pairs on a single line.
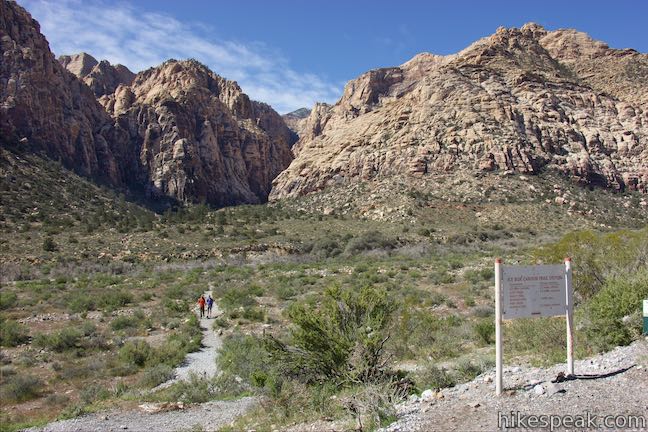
{"points": [[20, 388], [368, 241], [485, 331], [156, 375], [620, 297], [135, 353], [341, 341], [12, 333], [63, 340], [7, 300], [433, 377], [243, 356], [49, 245], [123, 322]]}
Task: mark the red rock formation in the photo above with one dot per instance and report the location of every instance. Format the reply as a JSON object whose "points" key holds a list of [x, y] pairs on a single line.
{"points": [[509, 102]]}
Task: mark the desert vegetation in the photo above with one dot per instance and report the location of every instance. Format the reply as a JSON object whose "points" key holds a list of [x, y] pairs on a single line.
{"points": [[331, 314]]}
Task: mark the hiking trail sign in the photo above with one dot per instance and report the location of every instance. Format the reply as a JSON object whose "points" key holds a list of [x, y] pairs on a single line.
{"points": [[532, 291]]}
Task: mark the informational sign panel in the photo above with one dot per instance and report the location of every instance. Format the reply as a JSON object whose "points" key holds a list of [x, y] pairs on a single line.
{"points": [[533, 291]]}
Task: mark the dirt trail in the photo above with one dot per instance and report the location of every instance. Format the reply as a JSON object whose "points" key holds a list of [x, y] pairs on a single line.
{"points": [[209, 416], [203, 361]]}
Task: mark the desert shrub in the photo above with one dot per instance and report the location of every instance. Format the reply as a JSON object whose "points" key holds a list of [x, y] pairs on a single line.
{"points": [[156, 375], [114, 299], [12, 333], [7, 300], [135, 353], [485, 331], [434, 377], [253, 314], [466, 370], [341, 341], [234, 298], [20, 388], [613, 316], [93, 392], [49, 245], [244, 356], [369, 240], [123, 322], [194, 390], [65, 339]]}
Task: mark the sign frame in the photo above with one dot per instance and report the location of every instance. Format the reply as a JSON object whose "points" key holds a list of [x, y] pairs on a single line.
{"points": [[568, 312]]}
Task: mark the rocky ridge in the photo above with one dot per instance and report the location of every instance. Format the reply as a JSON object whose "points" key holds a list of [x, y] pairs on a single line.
{"points": [[177, 130], [199, 136], [102, 77], [295, 121], [508, 102], [45, 108]]}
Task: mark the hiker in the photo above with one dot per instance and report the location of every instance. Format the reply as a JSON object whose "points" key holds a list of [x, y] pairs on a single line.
{"points": [[201, 305], [210, 303]]}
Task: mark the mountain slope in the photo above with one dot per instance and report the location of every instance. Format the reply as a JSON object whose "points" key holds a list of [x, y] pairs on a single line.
{"points": [[45, 108], [199, 137], [177, 131], [504, 103]]}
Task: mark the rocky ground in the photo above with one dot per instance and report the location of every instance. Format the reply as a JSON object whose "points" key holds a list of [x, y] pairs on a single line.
{"points": [[209, 416], [613, 384]]}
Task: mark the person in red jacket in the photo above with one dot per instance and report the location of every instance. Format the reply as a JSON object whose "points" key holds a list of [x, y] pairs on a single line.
{"points": [[201, 305]]}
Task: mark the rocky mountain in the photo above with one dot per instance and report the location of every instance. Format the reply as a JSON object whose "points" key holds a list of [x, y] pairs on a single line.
{"points": [[45, 108], [199, 136], [522, 100], [177, 130], [102, 77], [295, 120]]}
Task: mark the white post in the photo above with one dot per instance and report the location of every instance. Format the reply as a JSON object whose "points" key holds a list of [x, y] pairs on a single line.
{"points": [[570, 317], [498, 326]]}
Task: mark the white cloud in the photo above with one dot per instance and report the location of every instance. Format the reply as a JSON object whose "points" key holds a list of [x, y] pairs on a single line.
{"points": [[120, 33]]}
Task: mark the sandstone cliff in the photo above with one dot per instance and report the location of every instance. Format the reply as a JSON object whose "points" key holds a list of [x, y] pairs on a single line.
{"points": [[518, 101], [199, 137], [102, 77], [296, 120], [45, 108], [177, 130]]}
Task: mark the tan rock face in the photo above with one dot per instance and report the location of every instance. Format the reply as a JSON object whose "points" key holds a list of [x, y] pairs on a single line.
{"points": [[102, 77], [296, 120], [44, 107], [199, 137], [508, 102]]}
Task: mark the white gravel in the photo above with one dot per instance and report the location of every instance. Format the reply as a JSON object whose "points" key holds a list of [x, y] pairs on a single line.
{"points": [[210, 416], [614, 383]]}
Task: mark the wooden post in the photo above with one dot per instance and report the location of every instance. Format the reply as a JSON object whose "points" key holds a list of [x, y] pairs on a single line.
{"points": [[498, 326], [570, 316]]}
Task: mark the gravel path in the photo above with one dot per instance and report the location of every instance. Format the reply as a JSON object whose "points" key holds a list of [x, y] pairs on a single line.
{"points": [[203, 361], [614, 383], [209, 416]]}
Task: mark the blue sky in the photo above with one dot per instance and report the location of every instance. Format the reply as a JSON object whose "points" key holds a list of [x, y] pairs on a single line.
{"points": [[292, 53]]}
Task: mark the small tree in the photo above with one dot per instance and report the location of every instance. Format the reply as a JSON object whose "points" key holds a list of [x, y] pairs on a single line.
{"points": [[342, 340]]}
